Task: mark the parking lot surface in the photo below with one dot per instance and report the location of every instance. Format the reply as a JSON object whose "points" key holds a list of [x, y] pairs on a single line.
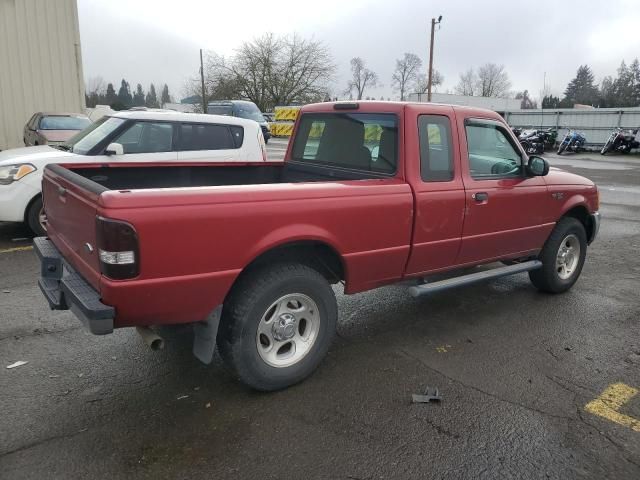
{"points": [[521, 374]]}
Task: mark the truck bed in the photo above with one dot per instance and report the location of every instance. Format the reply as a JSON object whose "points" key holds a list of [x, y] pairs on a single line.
{"points": [[134, 177]]}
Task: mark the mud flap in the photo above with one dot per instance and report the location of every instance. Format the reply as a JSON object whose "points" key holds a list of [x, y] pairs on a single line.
{"points": [[204, 336]]}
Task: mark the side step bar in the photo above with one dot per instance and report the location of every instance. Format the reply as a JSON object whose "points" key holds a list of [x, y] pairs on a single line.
{"points": [[419, 290]]}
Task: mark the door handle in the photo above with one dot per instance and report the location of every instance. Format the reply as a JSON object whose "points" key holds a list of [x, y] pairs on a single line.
{"points": [[62, 191], [480, 196]]}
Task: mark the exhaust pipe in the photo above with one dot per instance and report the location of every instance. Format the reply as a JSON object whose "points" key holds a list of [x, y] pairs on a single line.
{"points": [[151, 338]]}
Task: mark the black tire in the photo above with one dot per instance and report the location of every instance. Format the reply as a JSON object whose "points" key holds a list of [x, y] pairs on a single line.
{"points": [[244, 310], [605, 148], [548, 279], [561, 148], [33, 218]]}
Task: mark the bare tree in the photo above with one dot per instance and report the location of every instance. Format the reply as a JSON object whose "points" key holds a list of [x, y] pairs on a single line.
{"points": [[279, 71], [467, 83], [406, 72], [269, 71], [422, 82], [95, 85], [493, 81], [362, 78]]}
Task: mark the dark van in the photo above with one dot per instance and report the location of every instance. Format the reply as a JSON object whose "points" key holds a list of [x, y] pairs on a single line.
{"points": [[242, 109]]}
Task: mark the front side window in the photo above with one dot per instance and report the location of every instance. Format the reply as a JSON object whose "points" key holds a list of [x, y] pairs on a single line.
{"points": [[491, 154], [206, 137], [147, 137], [360, 141], [436, 156]]}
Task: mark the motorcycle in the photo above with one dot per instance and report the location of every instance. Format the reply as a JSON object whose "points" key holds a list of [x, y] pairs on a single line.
{"points": [[536, 141], [573, 142], [620, 141]]}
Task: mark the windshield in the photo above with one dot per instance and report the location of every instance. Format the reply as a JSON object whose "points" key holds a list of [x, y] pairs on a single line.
{"points": [[64, 123], [248, 110], [220, 110], [88, 138]]}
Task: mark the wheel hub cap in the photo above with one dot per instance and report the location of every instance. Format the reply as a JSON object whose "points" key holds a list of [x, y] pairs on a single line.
{"points": [[568, 256], [288, 330], [285, 327]]}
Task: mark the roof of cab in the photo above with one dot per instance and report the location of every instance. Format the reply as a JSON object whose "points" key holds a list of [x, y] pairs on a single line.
{"points": [[377, 106], [173, 116]]}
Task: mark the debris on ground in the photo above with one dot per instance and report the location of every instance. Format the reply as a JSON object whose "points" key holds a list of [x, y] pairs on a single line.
{"points": [[182, 397], [17, 364], [208, 405], [429, 395], [6, 291]]}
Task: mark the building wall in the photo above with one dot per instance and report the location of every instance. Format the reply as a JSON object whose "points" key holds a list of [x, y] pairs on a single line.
{"points": [[596, 123], [40, 63]]}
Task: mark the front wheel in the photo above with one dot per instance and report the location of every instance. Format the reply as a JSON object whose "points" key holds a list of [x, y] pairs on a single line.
{"points": [[605, 148], [277, 325], [562, 148], [36, 218], [562, 257]]}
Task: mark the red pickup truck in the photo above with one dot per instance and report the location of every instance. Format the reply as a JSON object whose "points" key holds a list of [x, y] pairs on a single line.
{"points": [[370, 193]]}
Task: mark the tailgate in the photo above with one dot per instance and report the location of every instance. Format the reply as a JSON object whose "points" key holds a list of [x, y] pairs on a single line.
{"points": [[70, 202]]}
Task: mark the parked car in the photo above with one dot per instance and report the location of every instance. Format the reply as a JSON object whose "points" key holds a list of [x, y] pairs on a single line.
{"points": [[369, 194], [53, 128], [132, 136], [242, 109]]}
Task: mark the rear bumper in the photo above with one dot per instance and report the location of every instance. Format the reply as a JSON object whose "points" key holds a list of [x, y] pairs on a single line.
{"points": [[595, 227], [65, 289]]}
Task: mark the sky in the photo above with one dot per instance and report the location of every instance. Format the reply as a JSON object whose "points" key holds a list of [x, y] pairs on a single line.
{"points": [[158, 41]]}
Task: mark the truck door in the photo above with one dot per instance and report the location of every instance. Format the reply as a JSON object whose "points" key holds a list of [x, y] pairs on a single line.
{"points": [[505, 208], [438, 189]]}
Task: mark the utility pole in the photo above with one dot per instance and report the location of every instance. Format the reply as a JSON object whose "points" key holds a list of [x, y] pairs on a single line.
{"points": [[433, 31], [204, 93]]}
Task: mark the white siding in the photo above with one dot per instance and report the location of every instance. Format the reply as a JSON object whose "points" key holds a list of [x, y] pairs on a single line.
{"points": [[40, 63]]}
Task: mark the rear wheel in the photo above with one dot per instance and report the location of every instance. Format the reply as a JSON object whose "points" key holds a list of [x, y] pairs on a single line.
{"points": [[562, 257], [36, 218], [277, 325]]}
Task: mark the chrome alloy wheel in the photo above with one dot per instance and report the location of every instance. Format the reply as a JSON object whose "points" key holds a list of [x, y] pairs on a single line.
{"points": [[568, 256], [288, 330]]}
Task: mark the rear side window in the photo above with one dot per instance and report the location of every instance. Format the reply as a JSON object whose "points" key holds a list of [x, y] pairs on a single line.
{"points": [[360, 141], [436, 156], [206, 137]]}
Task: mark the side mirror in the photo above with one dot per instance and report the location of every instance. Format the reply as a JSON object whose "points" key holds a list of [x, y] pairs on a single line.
{"points": [[114, 149], [537, 166]]}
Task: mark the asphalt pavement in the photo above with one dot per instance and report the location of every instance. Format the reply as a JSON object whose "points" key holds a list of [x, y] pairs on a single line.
{"points": [[521, 374]]}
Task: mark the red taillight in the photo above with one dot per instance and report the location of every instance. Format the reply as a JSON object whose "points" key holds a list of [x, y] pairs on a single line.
{"points": [[117, 249]]}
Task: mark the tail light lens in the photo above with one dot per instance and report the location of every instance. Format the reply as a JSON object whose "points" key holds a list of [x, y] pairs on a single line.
{"points": [[117, 248]]}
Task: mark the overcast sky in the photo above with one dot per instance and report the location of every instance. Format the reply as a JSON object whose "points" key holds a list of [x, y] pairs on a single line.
{"points": [[157, 41]]}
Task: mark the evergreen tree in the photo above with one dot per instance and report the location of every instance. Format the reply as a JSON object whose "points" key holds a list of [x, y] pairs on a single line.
{"points": [[138, 97], [581, 89], [165, 97], [152, 100], [635, 74], [124, 94], [549, 101], [110, 97]]}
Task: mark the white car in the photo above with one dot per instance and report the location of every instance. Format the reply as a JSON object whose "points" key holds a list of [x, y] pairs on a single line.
{"points": [[131, 136]]}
